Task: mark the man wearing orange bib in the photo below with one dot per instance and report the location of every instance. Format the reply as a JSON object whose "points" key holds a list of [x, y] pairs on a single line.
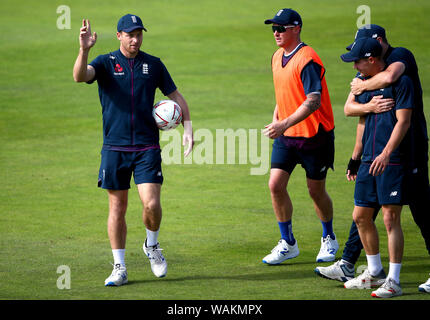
{"points": [[303, 133]]}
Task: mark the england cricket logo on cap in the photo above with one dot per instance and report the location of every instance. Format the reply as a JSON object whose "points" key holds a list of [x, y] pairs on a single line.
{"points": [[280, 12], [133, 18]]}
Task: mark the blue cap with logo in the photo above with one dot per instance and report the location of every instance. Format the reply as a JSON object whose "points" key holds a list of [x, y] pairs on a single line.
{"points": [[363, 48], [129, 22], [369, 31], [286, 17]]}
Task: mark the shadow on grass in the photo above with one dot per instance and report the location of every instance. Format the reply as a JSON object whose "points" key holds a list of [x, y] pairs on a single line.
{"points": [[264, 273]]}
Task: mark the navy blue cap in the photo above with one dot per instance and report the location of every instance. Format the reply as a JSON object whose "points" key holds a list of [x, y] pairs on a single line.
{"points": [[286, 17], [369, 31], [130, 22], [363, 48]]}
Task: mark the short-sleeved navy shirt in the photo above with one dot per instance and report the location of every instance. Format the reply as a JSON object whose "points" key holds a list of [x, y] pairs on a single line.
{"points": [[127, 91], [379, 126], [418, 123], [311, 78]]}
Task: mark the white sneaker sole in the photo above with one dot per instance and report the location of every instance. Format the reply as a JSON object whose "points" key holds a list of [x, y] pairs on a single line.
{"points": [[282, 260]]}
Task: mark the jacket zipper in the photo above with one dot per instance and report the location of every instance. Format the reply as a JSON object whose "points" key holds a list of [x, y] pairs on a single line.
{"points": [[374, 137], [131, 64]]}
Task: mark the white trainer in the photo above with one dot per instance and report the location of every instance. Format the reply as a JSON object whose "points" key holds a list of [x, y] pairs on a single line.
{"points": [[283, 251], [389, 289], [425, 287], [337, 271], [118, 276], [328, 249], [366, 281], [156, 258]]}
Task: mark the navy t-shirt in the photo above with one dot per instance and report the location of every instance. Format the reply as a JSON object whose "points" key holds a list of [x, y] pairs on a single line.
{"points": [[379, 126], [127, 91], [418, 123]]}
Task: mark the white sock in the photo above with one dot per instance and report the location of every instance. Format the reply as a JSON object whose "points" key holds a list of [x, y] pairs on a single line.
{"points": [[374, 264], [151, 237], [394, 271], [118, 256]]}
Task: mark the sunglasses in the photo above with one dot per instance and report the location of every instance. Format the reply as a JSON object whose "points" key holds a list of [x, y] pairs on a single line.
{"points": [[281, 29]]}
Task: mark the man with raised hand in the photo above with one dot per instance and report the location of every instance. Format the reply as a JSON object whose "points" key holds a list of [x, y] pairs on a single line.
{"points": [[127, 80]]}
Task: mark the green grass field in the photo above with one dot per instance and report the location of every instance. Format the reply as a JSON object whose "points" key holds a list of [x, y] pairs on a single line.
{"points": [[217, 218]]}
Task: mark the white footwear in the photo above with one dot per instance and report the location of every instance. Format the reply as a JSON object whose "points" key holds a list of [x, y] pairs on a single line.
{"points": [[366, 281], [118, 276], [388, 289], [338, 271], [156, 258], [328, 249], [283, 251], [425, 287]]}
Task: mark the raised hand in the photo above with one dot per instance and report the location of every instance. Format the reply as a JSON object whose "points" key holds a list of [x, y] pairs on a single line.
{"points": [[86, 38]]}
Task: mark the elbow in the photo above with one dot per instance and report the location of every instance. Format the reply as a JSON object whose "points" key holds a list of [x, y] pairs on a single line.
{"points": [[407, 124], [76, 78], [347, 111], [389, 79]]}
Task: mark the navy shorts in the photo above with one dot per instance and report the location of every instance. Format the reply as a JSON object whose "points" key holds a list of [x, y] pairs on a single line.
{"points": [[117, 167], [374, 191], [315, 161]]}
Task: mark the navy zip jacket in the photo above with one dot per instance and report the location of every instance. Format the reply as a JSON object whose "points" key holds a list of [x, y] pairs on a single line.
{"points": [[127, 91]]}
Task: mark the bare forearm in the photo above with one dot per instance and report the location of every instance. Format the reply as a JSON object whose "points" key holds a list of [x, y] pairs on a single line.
{"points": [[380, 80], [275, 114], [179, 99], [81, 66], [358, 147], [353, 108], [310, 105], [399, 132]]}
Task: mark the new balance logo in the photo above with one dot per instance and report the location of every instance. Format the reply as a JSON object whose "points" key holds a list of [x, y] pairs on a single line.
{"points": [[393, 194]]}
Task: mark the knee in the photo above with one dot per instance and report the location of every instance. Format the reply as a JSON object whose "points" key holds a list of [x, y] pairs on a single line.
{"points": [[276, 187], [117, 208], [314, 193], [152, 205], [360, 220], [317, 193], [391, 220]]}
